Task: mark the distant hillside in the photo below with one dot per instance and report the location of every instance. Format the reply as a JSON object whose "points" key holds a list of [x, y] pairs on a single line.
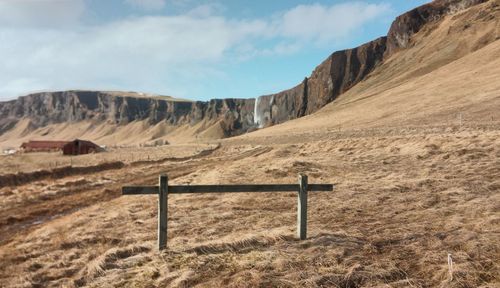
{"points": [[97, 115], [446, 74], [419, 42]]}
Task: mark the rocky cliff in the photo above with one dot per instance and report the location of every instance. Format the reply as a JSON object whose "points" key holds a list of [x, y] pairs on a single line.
{"points": [[344, 69], [338, 73], [234, 115], [409, 23]]}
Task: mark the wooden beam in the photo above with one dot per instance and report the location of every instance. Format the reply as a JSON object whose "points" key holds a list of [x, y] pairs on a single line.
{"points": [[244, 188], [233, 188], [180, 189], [139, 190], [162, 212], [320, 187], [302, 208]]}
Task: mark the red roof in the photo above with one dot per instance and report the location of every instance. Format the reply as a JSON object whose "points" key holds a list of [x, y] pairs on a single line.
{"points": [[44, 144]]}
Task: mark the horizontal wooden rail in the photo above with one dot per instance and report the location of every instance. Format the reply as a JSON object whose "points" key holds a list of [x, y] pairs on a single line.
{"points": [[181, 189], [140, 190], [163, 189]]}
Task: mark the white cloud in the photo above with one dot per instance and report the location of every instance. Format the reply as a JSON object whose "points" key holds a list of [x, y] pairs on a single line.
{"points": [[41, 13], [140, 52], [148, 4], [206, 10], [323, 24], [169, 54]]}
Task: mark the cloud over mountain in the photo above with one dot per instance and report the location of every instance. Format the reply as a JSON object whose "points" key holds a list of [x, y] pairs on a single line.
{"points": [[48, 45]]}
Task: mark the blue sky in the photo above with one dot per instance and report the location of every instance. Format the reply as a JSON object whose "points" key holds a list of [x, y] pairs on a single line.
{"points": [[184, 48]]}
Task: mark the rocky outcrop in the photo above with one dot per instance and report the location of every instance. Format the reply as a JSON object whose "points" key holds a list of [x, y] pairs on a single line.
{"points": [[281, 107], [235, 115], [411, 22], [339, 72]]}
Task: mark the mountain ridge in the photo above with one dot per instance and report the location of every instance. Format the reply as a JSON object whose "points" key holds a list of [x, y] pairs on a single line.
{"points": [[341, 71]]}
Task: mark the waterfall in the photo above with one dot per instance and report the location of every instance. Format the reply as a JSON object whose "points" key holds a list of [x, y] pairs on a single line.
{"points": [[257, 120], [260, 116]]}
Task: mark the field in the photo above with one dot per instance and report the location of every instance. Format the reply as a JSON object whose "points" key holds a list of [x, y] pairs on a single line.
{"points": [[413, 149], [29, 162], [405, 199]]}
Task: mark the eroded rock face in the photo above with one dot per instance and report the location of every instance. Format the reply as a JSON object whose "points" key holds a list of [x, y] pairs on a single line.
{"points": [[411, 22], [339, 72], [282, 106], [42, 109]]}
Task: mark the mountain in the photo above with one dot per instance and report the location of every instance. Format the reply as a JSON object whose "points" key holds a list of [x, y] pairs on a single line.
{"points": [[119, 109], [445, 74], [419, 42]]}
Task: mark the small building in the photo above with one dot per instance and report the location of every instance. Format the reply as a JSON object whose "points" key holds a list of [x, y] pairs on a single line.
{"points": [[75, 147], [78, 147], [42, 146]]}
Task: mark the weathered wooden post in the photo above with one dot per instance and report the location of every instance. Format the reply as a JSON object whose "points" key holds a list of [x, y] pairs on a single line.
{"points": [[162, 211], [302, 208]]}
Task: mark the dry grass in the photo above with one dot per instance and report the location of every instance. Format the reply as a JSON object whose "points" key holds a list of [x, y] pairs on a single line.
{"points": [[28, 162], [413, 186], [403, 202]]}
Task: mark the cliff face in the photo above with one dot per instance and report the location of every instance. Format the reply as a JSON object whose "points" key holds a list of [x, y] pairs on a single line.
{"points": [[235, 115], [344, 69], [337, 74], [412, 21]]}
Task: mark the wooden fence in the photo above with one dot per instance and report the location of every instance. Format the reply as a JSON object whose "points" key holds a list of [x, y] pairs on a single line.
{"points": [[163, 190]]}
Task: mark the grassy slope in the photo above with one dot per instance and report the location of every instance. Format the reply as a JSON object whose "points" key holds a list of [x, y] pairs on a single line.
{"points": [[448, 71]]}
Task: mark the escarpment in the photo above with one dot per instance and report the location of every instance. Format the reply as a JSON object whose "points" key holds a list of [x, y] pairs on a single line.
{"points": [[411, 22], [344, 69], [235, 115], [338, 73]]}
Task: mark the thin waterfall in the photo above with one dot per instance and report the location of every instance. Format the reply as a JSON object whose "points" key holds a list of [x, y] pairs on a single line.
{"points": [[257, 120], [261, 116]]}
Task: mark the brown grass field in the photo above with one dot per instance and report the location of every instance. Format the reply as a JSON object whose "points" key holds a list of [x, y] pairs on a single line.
{"points": [[414, 152], [29, 162], [404, 200]]}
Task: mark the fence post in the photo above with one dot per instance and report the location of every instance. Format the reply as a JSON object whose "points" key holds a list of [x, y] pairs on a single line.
{"points": [[162, 212], [302, 208]]}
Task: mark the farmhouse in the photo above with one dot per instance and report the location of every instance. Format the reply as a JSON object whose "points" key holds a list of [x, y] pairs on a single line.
{"points": [[75, 147], [42, 146]]}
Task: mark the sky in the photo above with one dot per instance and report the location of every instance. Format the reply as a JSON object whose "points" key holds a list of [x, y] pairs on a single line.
{"points": [[191, 49]]}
